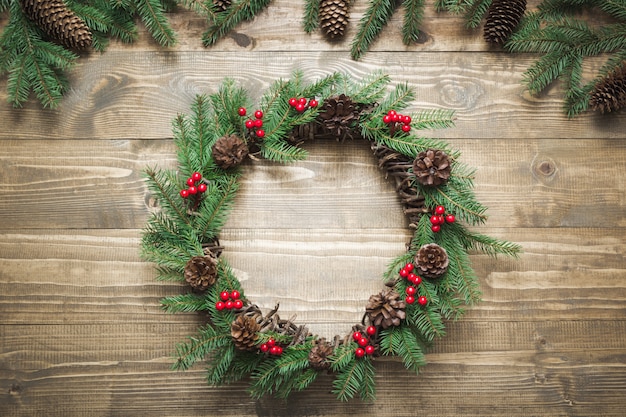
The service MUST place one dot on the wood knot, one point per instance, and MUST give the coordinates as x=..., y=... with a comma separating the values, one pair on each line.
x=241, y=39
x=544, y=169
x=15, y=389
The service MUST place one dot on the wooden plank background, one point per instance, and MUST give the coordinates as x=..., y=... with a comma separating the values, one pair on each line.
x=81, y=331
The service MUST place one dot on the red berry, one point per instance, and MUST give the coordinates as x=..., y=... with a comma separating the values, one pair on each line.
x=369, y=349
x=450, y=218
x=219, y=306
x=184, y=193
x=196, y=176
x=406, y=128
x=258, y=114
x=394, y=118
x=371, y=330
x=190, y=181
x=234, y=294
x=300, y=107
x=293, y=101
x=264, y=347
x=258, y=123
x=242, y=111
x=359, y=352
x=271, y=342
x=313, y=102
x=192, y=190
x=409, y=267
x=407, y=120
x=386, y=119
x=434, y=219
x=422, y=300
x=391, y=112
x=224, y=295
x=279, y=350
x=417, y=280
x=274, y=350
x=249, y=124
x=409, y=299
x=435, y=228
x=202, y=188
x=410, y=290
x=302, y=101
x=238, y=304
x=229, y=305
x=404, y=273
x=363, y=342
x=356, y=335
x=260, y=133
x=440, y=210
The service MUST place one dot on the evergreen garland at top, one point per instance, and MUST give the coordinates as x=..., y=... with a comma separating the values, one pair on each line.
x=425, y=286
x=43, y=39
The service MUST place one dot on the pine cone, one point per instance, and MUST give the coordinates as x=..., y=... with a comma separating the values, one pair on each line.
x=229, y=151
x=222, y=5
x=432, y=167
x=201, y=272
x=503, y=17
x=386, y=308
x=319, y=354
x=610, y=93
x=339, y=116
x=59, y=23
x=431, y=261
x=244, y=332
x=333, y=17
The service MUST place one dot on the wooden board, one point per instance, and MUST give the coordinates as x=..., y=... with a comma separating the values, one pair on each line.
x=81, y=330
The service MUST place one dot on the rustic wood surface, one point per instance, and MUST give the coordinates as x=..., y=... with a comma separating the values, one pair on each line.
x=81, y=331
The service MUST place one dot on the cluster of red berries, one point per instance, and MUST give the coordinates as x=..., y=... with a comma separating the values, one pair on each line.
x=271, y=347
x=365, y=348
x=301, y=104
x=254, y=125
x=229, y=301
x=440, y=217
x=395, y=119
x=194, y=187
x=411, y=290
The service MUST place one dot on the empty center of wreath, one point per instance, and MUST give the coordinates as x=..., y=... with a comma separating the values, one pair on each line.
x=315, y=236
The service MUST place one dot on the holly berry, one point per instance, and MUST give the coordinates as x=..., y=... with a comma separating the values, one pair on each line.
x=386, y=119
x=192, y=190
x=410, y=290
x=363, y=342
x=184, y=193
x=219, y=306
x=409, y=267
x=274, y=350
x=202, y=188
x=409, y=299
x=260, y=133
x=190, y=181
x=313, y=103
x=434, y=219
x=391, y=112
x=421, y=300
x=371, y=330
x=369, y=349
x=271, y=342
x=407, y=120
x=450, y=218
x=235, y=295
x=435, y=228
x=258, y=114
x=300, y=107
x=356, y=335
x=440, y=210
x=406, y=128
x=229, y=305
x=258, y=123
x=242, y=111
x=302, y=101
x=293, y=101
x=264, y=347
x=359, y=352
x=224, y=295
x=404, y=273
x=417, y=280
x=249, y=124
x=238, y=304
x=278, y=350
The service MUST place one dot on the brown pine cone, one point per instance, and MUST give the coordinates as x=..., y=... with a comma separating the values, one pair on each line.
x=244, y=331
x=201, y=272
x=318, y=355
x=229, y=151
x=59, y=23
x=431, y=261
x=432, y=167
x=609, y=94
x=334, y=17
x=503, y=17
x=386, y=309
x=339, y=116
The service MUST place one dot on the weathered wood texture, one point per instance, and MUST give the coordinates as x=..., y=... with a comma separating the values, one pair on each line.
x=81, y=331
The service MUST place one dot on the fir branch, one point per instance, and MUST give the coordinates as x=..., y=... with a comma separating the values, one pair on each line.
x=225, y=22
x=197, y=348
x=311, y=21
x=164, y=185
x=460, y=276
x=483, y=243
x=152, y=14
x=371, y=89
x=433, y=119
x=400, y=341
x=219, y=364
x=183, y=303
x=476, y=12
x=202, y=7
x=413, y=16
x=371, y=24
x=217, y=203
x=429, y=324
x=356, y=377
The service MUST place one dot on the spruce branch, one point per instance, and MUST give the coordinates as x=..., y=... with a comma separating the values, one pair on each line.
x=198, y=347
x=183, y=303
x=225, y=22
x=413, y=16
x=371, y=24
x=310, y=21
x=400, y=341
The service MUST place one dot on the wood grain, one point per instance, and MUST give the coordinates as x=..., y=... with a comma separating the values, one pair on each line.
x=82, y=333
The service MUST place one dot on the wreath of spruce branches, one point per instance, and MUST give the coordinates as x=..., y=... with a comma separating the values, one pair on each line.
x=183, y=228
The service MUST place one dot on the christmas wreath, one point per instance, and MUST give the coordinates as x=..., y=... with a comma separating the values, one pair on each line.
x=424, y=287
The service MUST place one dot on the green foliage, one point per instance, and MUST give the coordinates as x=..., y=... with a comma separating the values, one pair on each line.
x=181, y=228
x=222, y=23
x=473, y=10
x=35, y=64
x=311, y=22
x=371, y=24
x=413, y=16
